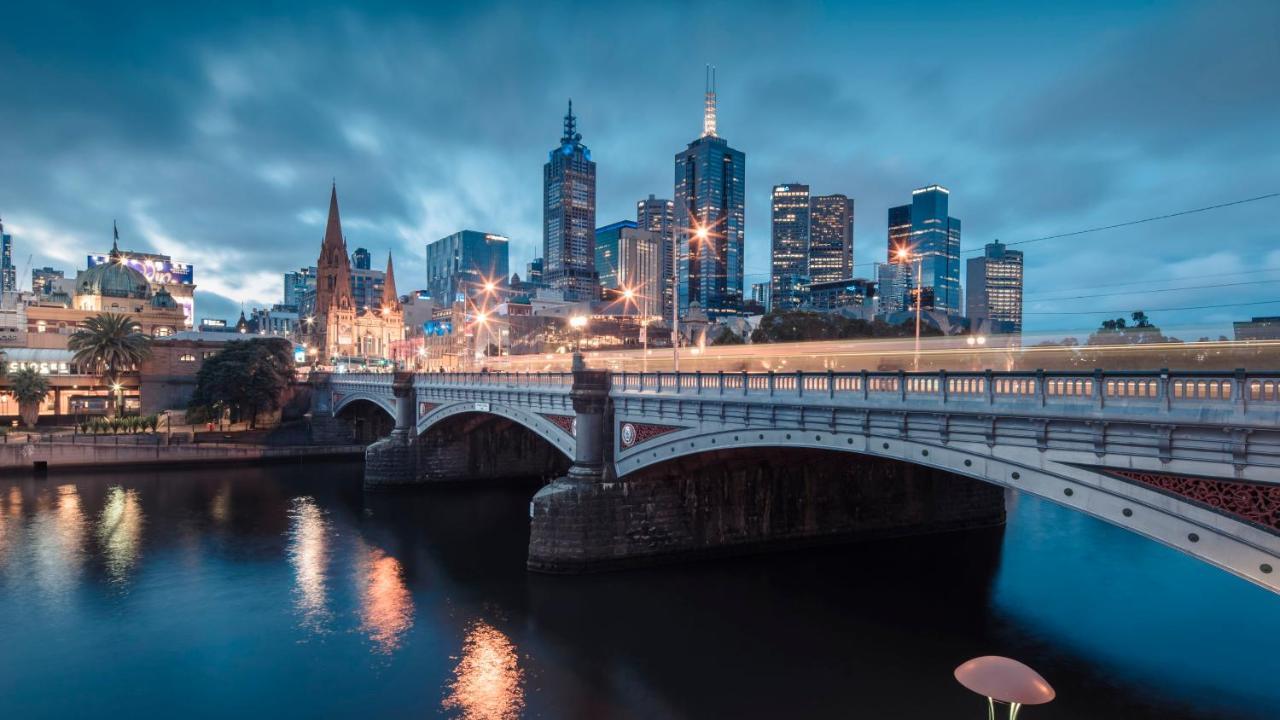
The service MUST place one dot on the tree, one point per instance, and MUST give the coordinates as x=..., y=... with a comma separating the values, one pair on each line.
x=724, y=336
x=109, y=345
x=248, y=376
x=1121, y=332
x=29, y=388
x=801, y=325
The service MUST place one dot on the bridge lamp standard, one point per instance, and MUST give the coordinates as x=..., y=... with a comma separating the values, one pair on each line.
x=629, y=298
x=579, y=324
x=905, y=255
x=1006, y=681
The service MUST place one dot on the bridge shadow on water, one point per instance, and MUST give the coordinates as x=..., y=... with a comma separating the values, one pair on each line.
x=871, y=629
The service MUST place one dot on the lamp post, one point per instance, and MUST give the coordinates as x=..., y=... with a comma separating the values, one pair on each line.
x=1004, y=680
x=578, y=323
x=907, y=256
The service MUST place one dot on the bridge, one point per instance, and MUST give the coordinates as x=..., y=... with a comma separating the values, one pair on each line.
x=647, y=466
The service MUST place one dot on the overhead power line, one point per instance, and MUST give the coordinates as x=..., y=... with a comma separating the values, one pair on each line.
x=1155, y=309
x=1157, y=290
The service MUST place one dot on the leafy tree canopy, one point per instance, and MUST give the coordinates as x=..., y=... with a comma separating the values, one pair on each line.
x=800, y=325
x=249, y=376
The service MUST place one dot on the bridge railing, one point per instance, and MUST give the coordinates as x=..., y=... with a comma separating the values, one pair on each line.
x=502, y=379
x=1155, y=388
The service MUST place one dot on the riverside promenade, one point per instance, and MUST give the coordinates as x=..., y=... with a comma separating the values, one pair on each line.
x=36, y=451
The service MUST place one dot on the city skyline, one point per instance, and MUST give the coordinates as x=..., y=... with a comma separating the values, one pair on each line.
x=232, y=194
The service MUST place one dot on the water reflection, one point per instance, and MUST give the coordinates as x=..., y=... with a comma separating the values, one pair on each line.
x=57, y=537
x=488, y=682
x=386, y=608
x=120, y=532
x=10, y=524
x=309, y=556
x=220, y=506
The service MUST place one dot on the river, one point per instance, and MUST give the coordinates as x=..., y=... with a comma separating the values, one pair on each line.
x=286, y=591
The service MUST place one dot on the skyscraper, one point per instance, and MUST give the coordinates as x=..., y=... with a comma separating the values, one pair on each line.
x=995, y=288
x=297, y=284
x=710, y=200
x=790, y=253
x=360, y=260
x=830, y=238
x=8, y=274
x=933, y=238
x=461, y=264
x=629, y=258
x=569, y=216
x=658, y=215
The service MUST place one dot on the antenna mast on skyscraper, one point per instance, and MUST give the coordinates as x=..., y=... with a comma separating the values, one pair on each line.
x=709, y=113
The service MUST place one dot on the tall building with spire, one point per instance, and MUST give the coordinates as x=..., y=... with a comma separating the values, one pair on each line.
x=569, y=216
x=710, y=203
x=339, y=329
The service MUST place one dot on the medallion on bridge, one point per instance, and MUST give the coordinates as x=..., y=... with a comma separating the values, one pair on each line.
x=567, y=423
x=426, y=407
x=632, y=434
x=1257, y=503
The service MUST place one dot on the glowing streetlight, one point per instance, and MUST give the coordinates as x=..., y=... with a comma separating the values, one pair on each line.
x=905, y=255
x=578, y=323
x=1004, y=680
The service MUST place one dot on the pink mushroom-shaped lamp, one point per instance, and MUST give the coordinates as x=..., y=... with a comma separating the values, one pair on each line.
x=1002, y=679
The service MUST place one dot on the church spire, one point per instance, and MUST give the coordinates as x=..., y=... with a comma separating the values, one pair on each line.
x=390, y=298
x=709, y=109
x=333, y=228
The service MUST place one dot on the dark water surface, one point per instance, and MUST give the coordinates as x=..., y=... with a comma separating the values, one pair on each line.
x=287, y=592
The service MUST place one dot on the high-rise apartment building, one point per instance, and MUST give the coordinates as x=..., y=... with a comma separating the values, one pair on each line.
x=366, y=286
x=461, y=265
x=569, y=216
x=995, y=288
x=658, y=215
x=762, y=294
x=8, y=274
x=630, y=258
x=830, y=238
x=789, y=258
x=710, y=201
x=932, y=237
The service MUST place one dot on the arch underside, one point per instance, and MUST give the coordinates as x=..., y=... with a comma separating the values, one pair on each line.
x=536, y=423
x=386, y=404
x=1071, y=479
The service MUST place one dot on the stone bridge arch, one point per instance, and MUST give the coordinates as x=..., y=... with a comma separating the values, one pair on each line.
x=555, y=428
x=1131, y=499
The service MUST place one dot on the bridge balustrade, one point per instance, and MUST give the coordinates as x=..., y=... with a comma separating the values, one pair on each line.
x=1053, y=388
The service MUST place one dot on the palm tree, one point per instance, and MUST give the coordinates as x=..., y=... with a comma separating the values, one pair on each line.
x=109, y=345
x=29, y=388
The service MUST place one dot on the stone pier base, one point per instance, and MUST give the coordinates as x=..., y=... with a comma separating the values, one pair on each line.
x=391, y=462
x=744, y=501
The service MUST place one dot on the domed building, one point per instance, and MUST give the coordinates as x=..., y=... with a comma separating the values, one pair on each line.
x=115, y=287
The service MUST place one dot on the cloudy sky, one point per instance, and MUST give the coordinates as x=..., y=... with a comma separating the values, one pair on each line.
x=211, y=133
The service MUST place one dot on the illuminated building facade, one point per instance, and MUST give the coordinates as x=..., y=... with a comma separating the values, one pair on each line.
x=658, y=215
x=932, y=237
x=339, y=328
x=569, y=216
x=459, y=265
x=44, y=280
x=710, y=194
x=830, y=238
x=789, y=259
x=995, y=288
x=628, y=257
x=161, y=271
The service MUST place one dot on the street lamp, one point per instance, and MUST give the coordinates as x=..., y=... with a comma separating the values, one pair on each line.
x=905, y=255
x=1004, y=680
x=578, y=323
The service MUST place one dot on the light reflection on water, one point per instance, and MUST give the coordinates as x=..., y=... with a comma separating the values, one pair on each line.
x=120, y=532
x=287, y=592
x=309, y=555
x=386, y=607
x=488, y=683
x=57, y=539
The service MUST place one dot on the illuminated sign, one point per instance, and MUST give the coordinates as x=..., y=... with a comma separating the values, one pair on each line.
x=438, y=328
x=299, y=354
x=213, y=322
x=154, y=269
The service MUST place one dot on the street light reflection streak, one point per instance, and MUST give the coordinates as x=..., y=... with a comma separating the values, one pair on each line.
x=309, y=556
x=488, y=683
x=10, y=524
x=57, y=546
x=120, y=532
x=386, y=611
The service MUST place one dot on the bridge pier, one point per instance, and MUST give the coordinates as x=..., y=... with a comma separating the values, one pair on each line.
x=325, y=426
x=393, y=460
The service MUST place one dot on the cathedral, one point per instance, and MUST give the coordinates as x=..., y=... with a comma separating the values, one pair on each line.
x=339, y=329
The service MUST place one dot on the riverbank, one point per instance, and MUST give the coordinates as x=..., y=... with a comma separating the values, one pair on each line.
x=57, y=455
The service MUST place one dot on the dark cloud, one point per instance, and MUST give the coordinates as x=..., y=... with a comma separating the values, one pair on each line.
x=212, y=131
